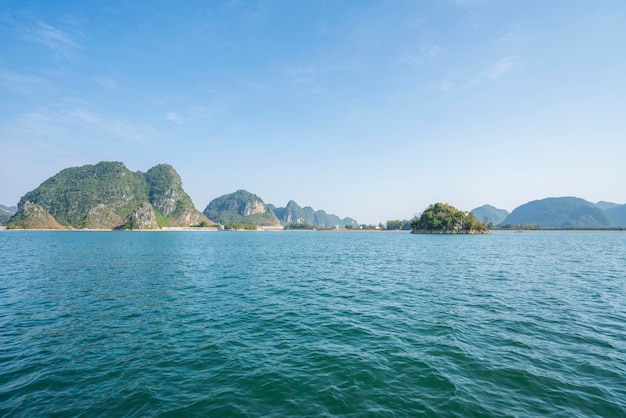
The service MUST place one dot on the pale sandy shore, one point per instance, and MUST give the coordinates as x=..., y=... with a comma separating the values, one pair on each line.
x=194, y=229
x=116, y=230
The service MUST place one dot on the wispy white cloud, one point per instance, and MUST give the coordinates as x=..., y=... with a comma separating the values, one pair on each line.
x=106, y=82
x=47, y=123
x=466, y=4
x=424, y=54
x=21, y=83
x=300, y=74
x=57, y=40
x=444, y=85
x=471, y=83
x=501, y=67
x=516, y=35
x=129, y=131
x=85, y=116
x=497, y=70
x=196, y=113
x=175, y=117
x=122, y=129
x=37, y=124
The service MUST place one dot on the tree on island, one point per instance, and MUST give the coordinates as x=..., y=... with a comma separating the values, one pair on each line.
x=441, y=218
x=397, y=224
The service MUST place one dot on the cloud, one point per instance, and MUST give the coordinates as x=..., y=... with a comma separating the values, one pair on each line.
x=21, y=83
x=37, y=124
x=86, y=116
x=468, y=4
x=196, y=113
x=444, y=85
x=471, y=83
x=300, y=74
x=60, y=42
x=424, y=54
x=120, y=128
x=53, y=123
x=175, y=117
x=493, y=72
x=106, y=82
x=516, y=35
x=501, y=67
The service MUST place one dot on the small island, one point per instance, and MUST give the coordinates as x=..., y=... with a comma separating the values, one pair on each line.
x=441, y=218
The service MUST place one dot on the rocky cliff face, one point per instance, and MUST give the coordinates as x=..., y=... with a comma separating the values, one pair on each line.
x=243, y=206
x=101, y=216
x=33, y=216
x=256, y=206
x=240, y=206
x=166, y=195
x=143, y=217
x=294, y=214
x=109, y=196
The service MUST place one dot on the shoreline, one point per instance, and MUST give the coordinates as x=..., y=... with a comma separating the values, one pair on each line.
x=394, y=231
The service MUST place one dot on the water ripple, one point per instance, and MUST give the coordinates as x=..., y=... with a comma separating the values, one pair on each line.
x=312, y=324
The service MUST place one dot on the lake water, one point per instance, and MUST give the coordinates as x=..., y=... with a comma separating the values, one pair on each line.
x=312, y=324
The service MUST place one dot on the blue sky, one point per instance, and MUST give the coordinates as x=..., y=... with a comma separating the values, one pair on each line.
x=369, y=109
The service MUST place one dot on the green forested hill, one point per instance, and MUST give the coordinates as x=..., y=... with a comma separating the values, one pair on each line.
x=604, y=206
x=166, y=195
x=488, y=213
x=559, y=212
x=617, y=215
x=240, y=207
x=292, y=214
x=108, y=195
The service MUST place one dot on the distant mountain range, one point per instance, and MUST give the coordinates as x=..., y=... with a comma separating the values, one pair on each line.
x=617, y=215
x=294, y=214
x=109, y=196
x=488, y=213
x=245, y=207
x=6, y=212
x=559, y=213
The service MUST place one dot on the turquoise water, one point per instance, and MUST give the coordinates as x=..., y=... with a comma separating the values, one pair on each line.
x=312, y=324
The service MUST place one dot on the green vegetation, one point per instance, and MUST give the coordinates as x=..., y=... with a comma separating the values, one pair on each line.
x=396, y=224
x=203, y=224
x=616, y=214
x=241, y=225
x=560, y=213
x=300, y=226
x=445, y=219
x=161, y=219
x=293, y=213
x=240, y=207
x=71, y=193
x=33, y=216
x=106, y=195
x=525, y=227
x=490, y=215
x=6, y=213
